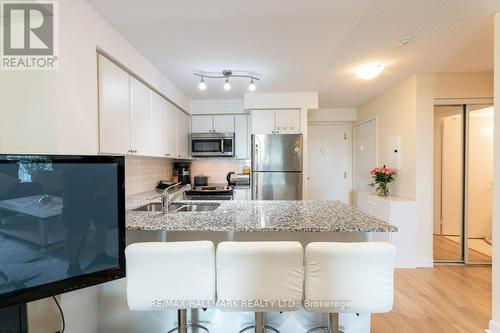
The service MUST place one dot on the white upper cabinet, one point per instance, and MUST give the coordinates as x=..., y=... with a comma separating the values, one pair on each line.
x=242, y=137
x=212, y=124
x=114, y=108
x=275, y=121
x=287, y=121
x=182, y=134
x=158, y=120
x=263, y=121
x=201, y=124
x=223, y=123
x=140, y=117
x=134, y=119
x=171, y=131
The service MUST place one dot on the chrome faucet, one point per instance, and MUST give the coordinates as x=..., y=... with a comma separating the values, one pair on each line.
x=165, y=199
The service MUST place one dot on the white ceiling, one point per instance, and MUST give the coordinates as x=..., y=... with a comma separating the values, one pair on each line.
x=305, y=45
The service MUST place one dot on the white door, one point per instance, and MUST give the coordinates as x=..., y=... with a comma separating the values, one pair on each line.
x=263, y=121
x=241, y=137
x=201, y=124
x=171, y=131
x=223, y=123
x=182, y=134
x=365, y=155
x=287, y=121
x=328, y=162
x=140, y=117
x=158, y=119
x=114, y=108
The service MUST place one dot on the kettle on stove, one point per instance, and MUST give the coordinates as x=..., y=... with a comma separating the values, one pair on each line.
x=231, y=178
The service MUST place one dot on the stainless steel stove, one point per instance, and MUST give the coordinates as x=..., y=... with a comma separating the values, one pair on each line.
x=210, y=192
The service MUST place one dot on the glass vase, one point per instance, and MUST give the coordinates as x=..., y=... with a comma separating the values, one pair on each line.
x=383, y=189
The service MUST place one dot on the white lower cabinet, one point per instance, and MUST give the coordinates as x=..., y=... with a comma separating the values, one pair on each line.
x=397, y=211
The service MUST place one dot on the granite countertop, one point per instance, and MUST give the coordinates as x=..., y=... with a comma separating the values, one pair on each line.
x=256, y=216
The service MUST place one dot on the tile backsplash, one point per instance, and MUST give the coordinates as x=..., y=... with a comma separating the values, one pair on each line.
x=217, y=168
x=143, y=173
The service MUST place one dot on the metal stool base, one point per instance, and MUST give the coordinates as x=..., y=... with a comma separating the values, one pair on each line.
x=259, y=326
x=266, y=327
x=182, y=325
x=190, y=326
x=333, y=325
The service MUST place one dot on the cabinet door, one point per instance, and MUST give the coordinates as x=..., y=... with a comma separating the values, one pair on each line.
x=182, y=134
x=364, y=202
x=223, y=123
x=140, y=117
x=263, y=121
x=241, y=137
x=171, y=131
x=287, y=121
x=201, y=124
x=158, y=119
x=381, y=209
x=114, y=108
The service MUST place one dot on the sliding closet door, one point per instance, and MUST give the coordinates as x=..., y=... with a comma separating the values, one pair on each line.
x=448, y=190
x=479, y=183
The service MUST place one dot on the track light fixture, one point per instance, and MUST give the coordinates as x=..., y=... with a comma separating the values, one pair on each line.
x=226, y=74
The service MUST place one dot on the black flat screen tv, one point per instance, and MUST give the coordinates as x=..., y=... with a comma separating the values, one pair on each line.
x=62, y=224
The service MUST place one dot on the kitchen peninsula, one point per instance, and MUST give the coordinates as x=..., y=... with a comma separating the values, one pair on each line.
x=255, y=216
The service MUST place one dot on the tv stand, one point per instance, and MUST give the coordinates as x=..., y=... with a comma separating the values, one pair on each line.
x=14, y=319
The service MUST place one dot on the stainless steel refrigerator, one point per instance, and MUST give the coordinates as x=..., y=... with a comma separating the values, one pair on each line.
x=277, y=167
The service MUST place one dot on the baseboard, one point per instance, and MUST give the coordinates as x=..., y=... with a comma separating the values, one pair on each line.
x=425, y=262
x=494, y=327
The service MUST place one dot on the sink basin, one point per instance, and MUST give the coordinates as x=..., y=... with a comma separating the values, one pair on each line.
x=179, y=207
x=195, y=207
x=150, y=207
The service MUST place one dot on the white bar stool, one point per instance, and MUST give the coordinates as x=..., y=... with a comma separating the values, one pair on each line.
x=348, y=278
x=260, y=277
x=177, y=275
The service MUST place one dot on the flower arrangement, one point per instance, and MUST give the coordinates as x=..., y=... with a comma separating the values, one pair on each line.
x=382, y=178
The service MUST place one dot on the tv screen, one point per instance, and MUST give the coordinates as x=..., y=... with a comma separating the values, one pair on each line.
x=62, y=224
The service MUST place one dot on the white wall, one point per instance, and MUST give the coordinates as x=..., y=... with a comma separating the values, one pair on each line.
x=494, y=326
x=396, y=112
x=332, y=115
x=211, y=106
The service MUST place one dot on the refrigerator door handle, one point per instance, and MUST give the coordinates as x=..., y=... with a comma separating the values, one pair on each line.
x=256, y=178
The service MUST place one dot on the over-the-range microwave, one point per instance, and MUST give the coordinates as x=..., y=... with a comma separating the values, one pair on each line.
x=212, y=144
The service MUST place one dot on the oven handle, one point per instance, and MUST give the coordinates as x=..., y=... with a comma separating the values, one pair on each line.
x=222, y=145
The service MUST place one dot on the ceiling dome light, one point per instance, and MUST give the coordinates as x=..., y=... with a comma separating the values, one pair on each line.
x=252, y=86
x=227, y=85
x=202, y=85
x=369, y=71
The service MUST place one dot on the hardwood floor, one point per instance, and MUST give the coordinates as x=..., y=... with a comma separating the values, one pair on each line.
x=446, y=249
x=446, y=298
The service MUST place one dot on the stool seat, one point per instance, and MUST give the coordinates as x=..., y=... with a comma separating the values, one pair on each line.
x=177, y=275
x=349, y=278
x=260, y=277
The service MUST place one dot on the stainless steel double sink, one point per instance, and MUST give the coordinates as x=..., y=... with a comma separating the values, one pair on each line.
x=178, y=207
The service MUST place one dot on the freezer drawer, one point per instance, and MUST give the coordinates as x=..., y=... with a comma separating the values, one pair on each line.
x=276, y=186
